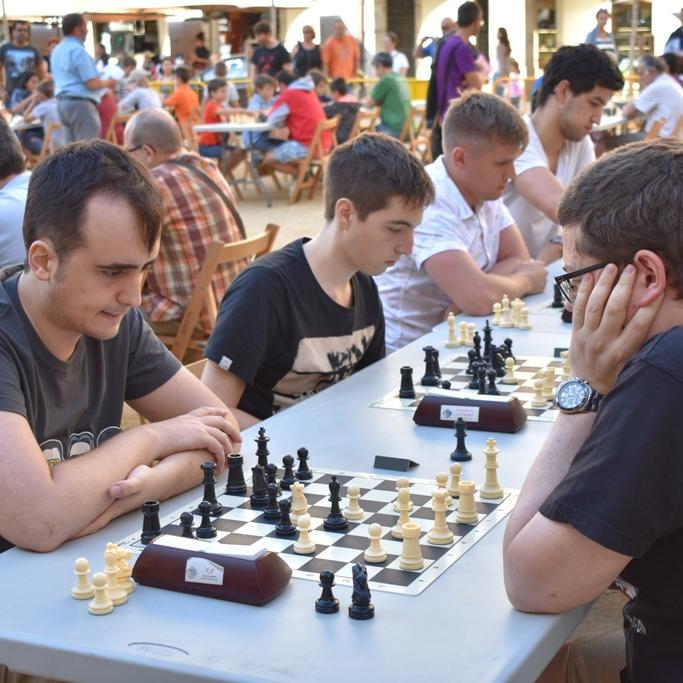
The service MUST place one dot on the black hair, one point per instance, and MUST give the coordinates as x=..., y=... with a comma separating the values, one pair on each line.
x=285, y=77
x=339, y=85
x=216, y=84
x=383, y=59
x=70, y=22
x=11, y=157
x=468, y=13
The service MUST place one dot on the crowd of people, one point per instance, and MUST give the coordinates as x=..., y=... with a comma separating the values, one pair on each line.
x=400, y=246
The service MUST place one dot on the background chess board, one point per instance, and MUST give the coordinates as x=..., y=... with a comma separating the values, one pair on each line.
x=339, y=550
x=527, y=369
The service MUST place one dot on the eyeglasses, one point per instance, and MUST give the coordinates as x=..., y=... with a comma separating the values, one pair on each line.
x=569, y=282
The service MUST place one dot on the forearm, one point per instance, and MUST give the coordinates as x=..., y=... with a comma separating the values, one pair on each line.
x=479, y=300
x=244, y=419
x=550, y=252
x=507, y=266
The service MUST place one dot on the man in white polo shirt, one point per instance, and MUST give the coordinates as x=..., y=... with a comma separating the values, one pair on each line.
x=467, y=251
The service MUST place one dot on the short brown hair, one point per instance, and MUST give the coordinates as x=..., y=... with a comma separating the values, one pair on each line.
x=47, y=88
x=630, y=199
x=485, y=116
x=262, y=27
x=183, y=74
x=370, y=170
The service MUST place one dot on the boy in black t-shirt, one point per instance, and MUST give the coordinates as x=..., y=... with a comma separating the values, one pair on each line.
x=74, y=347
x=270, y=57
x=306, y=316
x=603, y=498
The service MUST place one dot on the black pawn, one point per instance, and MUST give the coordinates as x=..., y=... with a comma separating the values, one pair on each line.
x=272, y=510
x=285, y=527
x=460, y=454
x=187, y=523
x=259, y=496
x=326, y=603
x=430, y=378
x=472, y=355
x=437, y=369
x=303, y=473
x=360, y=607
x=492, y=389
x=474, y=382
x=476, y=342
x=497, y=362
x=151, y=527
x=206, y=529
x=271, y=475
x=262, y=451
x=335, y=521
x=236, y=483
x=209, y=469
x=407, y=389
x=558, y=299
x=481, y=376
x=445, y=384
x=288, y=477
x=508, y=348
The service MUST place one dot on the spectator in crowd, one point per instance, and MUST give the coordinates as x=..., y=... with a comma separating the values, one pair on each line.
x=128, y=66
x=515, y=86
x=390, y=93
x=47, y=52
x=220, y=70
x=345, y=106
x=503, y=53
x=45, y=110
x=194, y=216
x=674, y=66
x=18, y=56
x=24, y=97
x=13, y=188
x=101, y=58
x=141, y=96
x=270, y=57
x=427, y=46
x=675, y=41
x=577, y=83
x=341, y=54
x=77, y=82
x=201, y=55
x=184, y=100
x=306, y=54
x=320, y=81
x=601, y=38
x=400, y=63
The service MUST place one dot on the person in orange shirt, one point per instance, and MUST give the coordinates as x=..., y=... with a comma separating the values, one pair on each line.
x=183, y=99
x=341, y=54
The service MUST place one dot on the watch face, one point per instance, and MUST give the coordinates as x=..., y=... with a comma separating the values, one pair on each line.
x=572, y=394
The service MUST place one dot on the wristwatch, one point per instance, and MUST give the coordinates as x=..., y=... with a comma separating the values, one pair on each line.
x=575, y=395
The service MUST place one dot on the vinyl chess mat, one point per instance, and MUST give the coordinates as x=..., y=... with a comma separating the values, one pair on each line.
x=527, y=369
x=339, y=550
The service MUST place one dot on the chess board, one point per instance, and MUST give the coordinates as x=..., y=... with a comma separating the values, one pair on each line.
x=338, y=551
x=527, y=369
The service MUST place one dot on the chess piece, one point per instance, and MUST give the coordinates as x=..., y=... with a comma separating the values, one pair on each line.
x=187, y=523
x=236, y=484
x=470, y=333
x=460, y=454
x=496, y=313
x=538, y=401
x=440, y=534
x=151, y=528
x=510, y=377
x=507, y=346
x=566, y=367
x=472, y=358
x=492, y=389
x=467, y=508
x=335, y=521
x=474, y=382
x=304, y=545
x=445, y=384
x=271, y=475
x=407, y=389
x=209, y=481
x=452, y=341
x=116, y=594
x=437, y=369
x=272, y=510
x=303, y=473
x=375, y=553
x=476, y=345
x=481, y=386
x=430, y=378
x=491, y=488
x=288, y=478
x=299, y=504
x=353, y=509
x=517, y=306
x=488, y=340
x=360, y=607
x=506, y=313
x=441, y=479
x=402, y=483
x=463, y=333
x=259, y=496
x=83, y=590
x=524, y=319
x=262, y=451
x=549, y=384
x=326, y=603
x=403, y=512
x=102, y=603
x=411, y=555
x=558, y=299
x=206, y=529
x=454, y=481
x=125, y=571
x=285, y=527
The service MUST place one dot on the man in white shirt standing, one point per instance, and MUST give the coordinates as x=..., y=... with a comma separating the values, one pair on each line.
x=467, y=251
x=660, y=96
x=577, y=83
x=400, y=63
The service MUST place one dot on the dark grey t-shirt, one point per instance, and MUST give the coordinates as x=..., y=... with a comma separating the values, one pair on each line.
x=72, y=407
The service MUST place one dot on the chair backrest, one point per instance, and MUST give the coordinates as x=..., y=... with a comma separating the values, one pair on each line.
x=217, y=254
x=47, y=142
x=366, y=120
x=653, y=133
x=316, y=150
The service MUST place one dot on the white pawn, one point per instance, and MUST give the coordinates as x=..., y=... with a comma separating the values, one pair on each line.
x=510, y=377
x=101, y=604
x=411, y=555
x=496, y=313
x=467, y=508
x=404, y=511
x=299, y=504
x=471, y=327
x=442, y=484
x=549, y=384
x=517, y=306
x=452, y=340
x=524, y=319
x=124, y=569
x=304, y=545
x=454, y=483
x=403, y=483
x=439, y=534
x=353, y=509
x=117, y=594
x=538, y=401
x=506, y=319
x=505, y=301
x=83, y=590
x=463, y=334
x=375, y=553
x=491, y=488
x=566, y=367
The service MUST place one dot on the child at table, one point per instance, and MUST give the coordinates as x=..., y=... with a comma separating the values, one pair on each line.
x=183, y=100
x=23, y=98
x=260, y=103
x=45, y=108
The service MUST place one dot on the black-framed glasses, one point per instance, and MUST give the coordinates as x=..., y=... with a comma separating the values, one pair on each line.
x=569, y=282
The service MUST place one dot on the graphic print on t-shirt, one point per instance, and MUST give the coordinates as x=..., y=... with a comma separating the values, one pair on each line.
x=58, y=450
x=630, y=591
x=321, y=361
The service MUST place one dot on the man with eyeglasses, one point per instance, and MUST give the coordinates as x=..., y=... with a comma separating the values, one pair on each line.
x=601, y=503
x=18, y=56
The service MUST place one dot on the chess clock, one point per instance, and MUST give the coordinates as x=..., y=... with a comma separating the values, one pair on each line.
x=575, y=395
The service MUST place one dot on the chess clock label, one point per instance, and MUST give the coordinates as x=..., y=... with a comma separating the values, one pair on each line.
x=467, y=413
x=201, y=570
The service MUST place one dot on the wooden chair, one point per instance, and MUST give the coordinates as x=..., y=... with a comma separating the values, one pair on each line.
x=653, y=133
x=365, y=121
x=308, y=171
x=217, y=254
x=197, y=367
x=416, y=136
x=47, y=142
x=111, y=130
